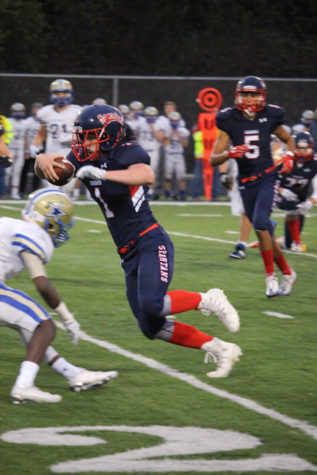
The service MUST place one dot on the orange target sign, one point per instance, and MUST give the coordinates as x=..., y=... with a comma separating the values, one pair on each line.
x=209, y=100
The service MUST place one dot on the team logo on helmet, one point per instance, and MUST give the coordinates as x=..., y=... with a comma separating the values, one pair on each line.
x=107, y=118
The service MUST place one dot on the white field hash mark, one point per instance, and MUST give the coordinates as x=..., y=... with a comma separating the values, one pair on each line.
x=193, y=381
x=277, y=314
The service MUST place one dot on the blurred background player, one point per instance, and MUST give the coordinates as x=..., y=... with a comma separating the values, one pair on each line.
x=29, y=181
x=150, y=135
x=6, y=135
x=18, y=147
x=56, y=124
x=298, y=191
x=248, y=126
x=306, y=120
x=98, y=101
x=176, y=139
x=29, y=244
x=228, y=176
x=135, y=115
x=164, y=124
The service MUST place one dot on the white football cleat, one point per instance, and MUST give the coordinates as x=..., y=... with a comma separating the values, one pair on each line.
x=32, y=394
x=287, y=283
x=215, y=301
x=297, y=247
x=86, y=380
x=224, y=354
x=272, y=287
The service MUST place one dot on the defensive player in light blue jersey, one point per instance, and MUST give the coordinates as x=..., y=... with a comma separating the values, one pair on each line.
x=29, y=243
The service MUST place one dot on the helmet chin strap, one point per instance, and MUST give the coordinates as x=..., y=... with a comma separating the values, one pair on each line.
x=249, y=112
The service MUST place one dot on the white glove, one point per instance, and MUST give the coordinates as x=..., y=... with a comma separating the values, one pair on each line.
x=305, y=206
x=288, y=195
x=34, y=150
x=89, y=171
x=73, y=327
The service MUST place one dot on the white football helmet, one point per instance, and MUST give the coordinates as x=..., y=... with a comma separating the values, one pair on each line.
x=99, y=101
x=52, y=210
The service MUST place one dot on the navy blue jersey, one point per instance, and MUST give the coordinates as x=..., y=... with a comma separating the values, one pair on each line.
x=124, y=207
x=254, y=133
x=300, y=178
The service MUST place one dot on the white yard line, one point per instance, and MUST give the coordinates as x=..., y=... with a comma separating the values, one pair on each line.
x=193, y=381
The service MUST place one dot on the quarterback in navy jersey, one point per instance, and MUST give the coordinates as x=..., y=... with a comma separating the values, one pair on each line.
x=298, y=190
x=117, y=174
x=245, y=135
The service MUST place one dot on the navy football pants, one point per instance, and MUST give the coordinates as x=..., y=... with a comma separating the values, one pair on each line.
x=259, y=199
x=148, y=268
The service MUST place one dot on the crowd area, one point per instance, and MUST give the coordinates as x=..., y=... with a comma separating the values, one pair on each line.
x=163, y=134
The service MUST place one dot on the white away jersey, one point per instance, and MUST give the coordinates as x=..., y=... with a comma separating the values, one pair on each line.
x=145, y=136
x=17, y=143
x=32, y=126
x=16, y=236
x=59, y=127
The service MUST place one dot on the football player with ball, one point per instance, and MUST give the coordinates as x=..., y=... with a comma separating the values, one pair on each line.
x=117, y=174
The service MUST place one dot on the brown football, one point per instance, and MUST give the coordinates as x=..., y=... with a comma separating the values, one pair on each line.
x=65, y=174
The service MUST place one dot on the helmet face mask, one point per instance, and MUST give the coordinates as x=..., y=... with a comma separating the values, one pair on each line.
x=304, y=147
x=61, y=92
x=250, y=95
x=52, y=210
x=97, y=129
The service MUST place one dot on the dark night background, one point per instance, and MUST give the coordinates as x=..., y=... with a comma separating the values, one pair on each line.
x=205, y=43
x=171, y=37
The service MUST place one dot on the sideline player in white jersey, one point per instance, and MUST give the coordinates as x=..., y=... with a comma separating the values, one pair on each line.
x=30, y=243
x=174, y=143
x=17, y=147
x=150, y=135
x=57, y=121
x=29, y=181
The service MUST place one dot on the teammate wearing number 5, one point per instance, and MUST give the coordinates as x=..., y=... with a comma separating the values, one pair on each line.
x=248, y=127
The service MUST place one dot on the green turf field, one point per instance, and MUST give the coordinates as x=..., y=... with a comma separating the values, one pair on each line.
x=163, y=414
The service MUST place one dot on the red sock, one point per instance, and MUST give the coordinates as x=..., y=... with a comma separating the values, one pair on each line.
x=186, y=335
x=182, y=300
x=282, y=265
x=294, y=230
x=268, y=259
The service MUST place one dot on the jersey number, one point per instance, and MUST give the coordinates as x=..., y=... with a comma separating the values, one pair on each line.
x=252, y=140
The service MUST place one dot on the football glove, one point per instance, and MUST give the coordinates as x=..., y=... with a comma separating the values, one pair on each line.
x=5, y=161
x=238, y=151
x=286, y=164
x=34, y=151
x=305, y=206
x=89, y=171
x=73, y=328
x=288, y=195
x=71, y=325
x=225, y=180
